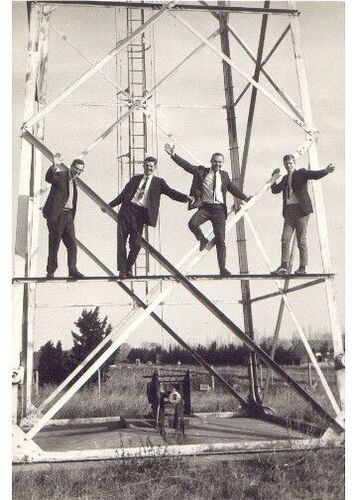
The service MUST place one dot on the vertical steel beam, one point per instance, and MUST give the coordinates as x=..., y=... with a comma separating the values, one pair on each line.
x=34, y=214
x=319, y=209
x=239, y=176
x=21, y=261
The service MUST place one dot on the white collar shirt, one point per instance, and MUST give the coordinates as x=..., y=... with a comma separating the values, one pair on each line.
x=141, y=201
x=208, y=196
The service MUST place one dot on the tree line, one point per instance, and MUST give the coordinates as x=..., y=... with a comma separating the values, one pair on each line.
x=55, y=364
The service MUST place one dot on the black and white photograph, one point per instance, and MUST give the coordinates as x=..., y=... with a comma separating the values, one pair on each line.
x=177, y=231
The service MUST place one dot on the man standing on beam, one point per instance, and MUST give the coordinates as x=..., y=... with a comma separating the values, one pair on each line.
x=297, y=208
x=140, y=202
x=59, y=211
x=209, y=189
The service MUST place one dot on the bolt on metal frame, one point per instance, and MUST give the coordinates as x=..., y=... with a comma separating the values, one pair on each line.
x=33, y=147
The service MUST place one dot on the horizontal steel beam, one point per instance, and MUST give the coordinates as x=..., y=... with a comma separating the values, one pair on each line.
x=181, y=7
x=191, y=277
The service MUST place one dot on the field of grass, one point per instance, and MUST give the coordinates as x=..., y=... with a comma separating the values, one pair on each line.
x=124, y=393
x=312, y=475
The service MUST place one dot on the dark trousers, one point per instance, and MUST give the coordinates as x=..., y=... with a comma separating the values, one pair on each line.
x=61, y=229
x=294, y=218
x=216, y=214
x=131, y=220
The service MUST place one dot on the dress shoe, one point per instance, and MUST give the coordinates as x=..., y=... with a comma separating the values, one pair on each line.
x=301, y=271
x=281, y=271
x=74, y=273
x=50, y=276
x=123, y=275
x=224, y=273
x=203, y=244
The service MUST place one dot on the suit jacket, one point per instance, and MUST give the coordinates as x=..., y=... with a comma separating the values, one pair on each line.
x=199, y=173
x=158, y=186
x=59, y=193
x=299, y=186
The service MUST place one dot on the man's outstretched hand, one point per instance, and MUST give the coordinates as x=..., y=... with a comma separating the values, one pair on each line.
x=330, y=168
x=170, y=150
x=275, y=172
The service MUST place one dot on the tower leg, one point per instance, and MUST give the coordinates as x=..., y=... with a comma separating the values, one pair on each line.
x=319, y=209
x=22, y=245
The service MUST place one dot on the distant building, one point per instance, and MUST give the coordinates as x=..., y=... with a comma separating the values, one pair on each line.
x=320, y=348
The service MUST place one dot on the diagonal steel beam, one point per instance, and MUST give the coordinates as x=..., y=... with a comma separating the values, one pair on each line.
x=276, y=45
x=88, y=74
x=249, y=52
x=288, y=290
x=241, y=335
x=139, y=318
x=112, y=335
x=297, y=324
x=139, y=104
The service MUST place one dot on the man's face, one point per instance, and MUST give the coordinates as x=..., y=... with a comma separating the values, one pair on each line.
x=77, y=169
x=289, y=165
x=57, y=159
x=216, y=162
x=149, y=167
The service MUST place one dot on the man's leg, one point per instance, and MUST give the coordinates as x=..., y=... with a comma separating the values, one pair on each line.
x=288, y=230
x=219, y=228
x=122, y=236
x=301, y=230
x=202, y=215
x=69, y=240
x=135, y=232
x=55, y=229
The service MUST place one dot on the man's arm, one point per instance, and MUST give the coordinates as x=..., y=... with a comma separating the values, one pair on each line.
x=54, y=173
x=235, y=191
x=318, y=174
x=119, y=199
x=172, y=193
x=170, y=150
x=277, y=187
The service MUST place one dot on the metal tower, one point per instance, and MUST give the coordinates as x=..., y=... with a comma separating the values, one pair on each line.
x=26, y=278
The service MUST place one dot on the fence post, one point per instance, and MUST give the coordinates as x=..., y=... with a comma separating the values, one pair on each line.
x=99, y=382
x=309, y=373
x=213, y=382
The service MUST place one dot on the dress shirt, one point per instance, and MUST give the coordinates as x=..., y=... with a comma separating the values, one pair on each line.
x=141, y=201
x=69, y=202
x=208, y=196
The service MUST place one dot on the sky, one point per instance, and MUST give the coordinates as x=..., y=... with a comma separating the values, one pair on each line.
x=71, y=127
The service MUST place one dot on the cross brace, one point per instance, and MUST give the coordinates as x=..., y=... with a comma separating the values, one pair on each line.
x=241, y=335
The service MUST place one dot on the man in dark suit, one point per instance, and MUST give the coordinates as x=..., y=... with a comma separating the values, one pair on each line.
x=297, y=208
x=209, y=189
x=140, y=202
x=60, y=210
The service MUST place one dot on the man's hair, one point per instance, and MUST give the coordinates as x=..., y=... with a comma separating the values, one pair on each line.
x=217, y=154
x=288, y=157
x=151, y=158
x=77, y=160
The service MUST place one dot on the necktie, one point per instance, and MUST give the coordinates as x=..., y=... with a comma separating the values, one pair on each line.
x=142, y=189
x=214, y=186
x=289, y=185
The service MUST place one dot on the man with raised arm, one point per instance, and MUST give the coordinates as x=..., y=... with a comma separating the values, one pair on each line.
x=59, y=211
x=209, y=189
x=297, y=208
x=140, y=202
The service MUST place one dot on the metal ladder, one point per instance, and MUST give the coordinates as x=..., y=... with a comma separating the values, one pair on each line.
x=137, y=134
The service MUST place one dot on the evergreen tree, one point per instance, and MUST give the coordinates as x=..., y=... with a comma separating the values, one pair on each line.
x=50, y=366
x=92, y=330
